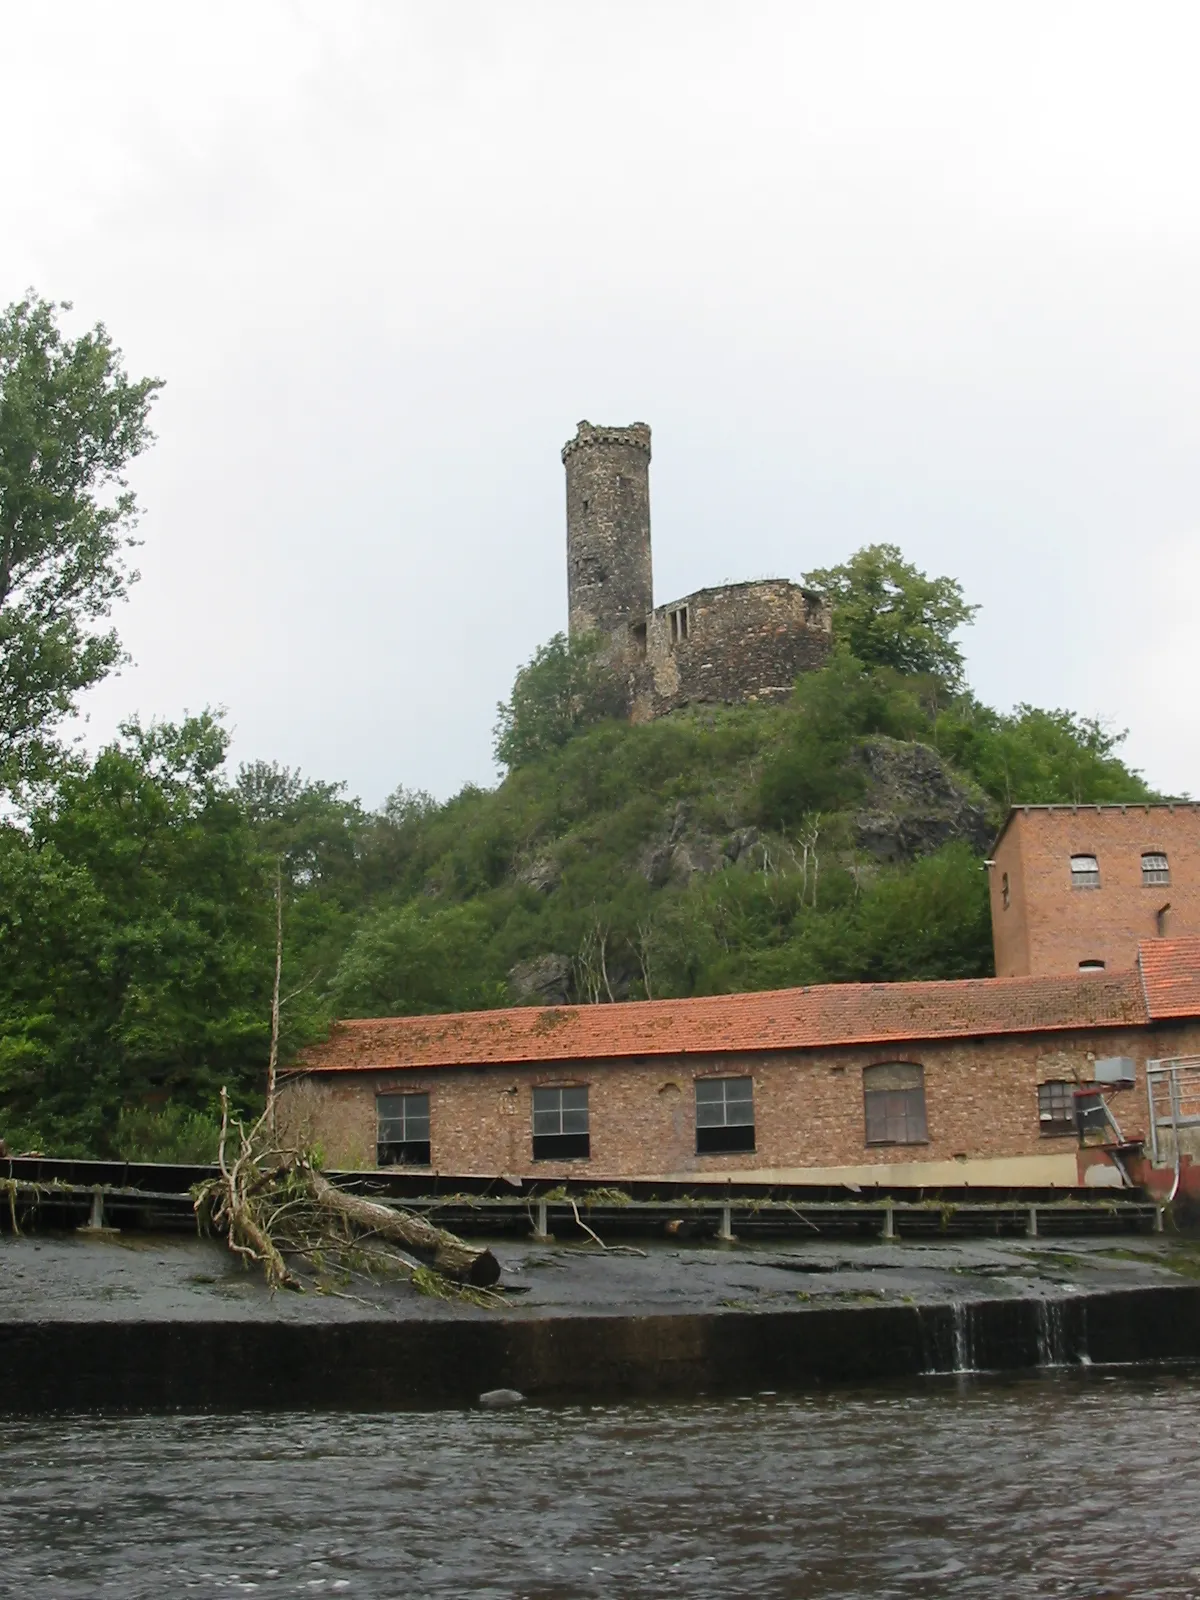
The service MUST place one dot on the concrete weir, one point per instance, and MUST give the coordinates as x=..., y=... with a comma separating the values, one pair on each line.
x=157, y=1324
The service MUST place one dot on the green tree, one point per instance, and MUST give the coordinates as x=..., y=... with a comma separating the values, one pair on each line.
x=565, y=687
x=887, y=613
x=136, y=941
x=406, y=960
x=1036, y=757
x=70, y=423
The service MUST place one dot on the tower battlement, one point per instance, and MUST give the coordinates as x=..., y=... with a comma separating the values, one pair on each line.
x=739, y=643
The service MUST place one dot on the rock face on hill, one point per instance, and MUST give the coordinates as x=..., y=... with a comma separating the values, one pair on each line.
x=914, y=804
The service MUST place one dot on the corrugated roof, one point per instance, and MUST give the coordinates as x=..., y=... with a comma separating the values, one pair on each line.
x=779, y=1019
x=1171, y=976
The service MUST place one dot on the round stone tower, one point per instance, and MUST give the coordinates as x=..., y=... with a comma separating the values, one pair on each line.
x=609, y=580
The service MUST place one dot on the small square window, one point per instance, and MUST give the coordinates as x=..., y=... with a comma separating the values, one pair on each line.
x=1056, y=1109
x=560, y=1124
x=1155, y=868
x=1085, y=872
x=402, y=1130
x=724, y=1115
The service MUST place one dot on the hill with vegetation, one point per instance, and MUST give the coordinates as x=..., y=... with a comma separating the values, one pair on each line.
x=839, y=836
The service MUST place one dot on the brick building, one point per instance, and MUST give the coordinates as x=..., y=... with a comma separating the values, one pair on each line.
x=938, y=1083
x=1078, y=888
x=739, y=642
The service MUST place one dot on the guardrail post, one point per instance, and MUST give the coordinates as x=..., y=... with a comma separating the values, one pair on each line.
x=889, y=1221
x=725, y=1231
x=541, y=1228
x=1031, y=1227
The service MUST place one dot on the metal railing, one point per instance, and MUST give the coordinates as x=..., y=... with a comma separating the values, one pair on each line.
x=1173, y=1096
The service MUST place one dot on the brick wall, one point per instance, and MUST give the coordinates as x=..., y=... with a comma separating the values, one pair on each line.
x=981, y=1105
x=1049, y=927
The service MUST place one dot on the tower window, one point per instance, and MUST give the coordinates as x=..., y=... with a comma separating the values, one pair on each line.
x=679, y=624
x=1085, y=872
x=1154, y=867
x=586, y=503
x=1005, y=894
x=638, y=630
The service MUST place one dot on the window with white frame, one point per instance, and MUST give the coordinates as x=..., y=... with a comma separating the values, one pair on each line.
x=402, y=1130
x=560, y=1123
x=724, y=1115
x=1155, y=867
x=1085, y=872
x=1056, y=1108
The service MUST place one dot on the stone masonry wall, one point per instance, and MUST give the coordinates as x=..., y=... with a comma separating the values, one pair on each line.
x=609, y=577
x=1049, y=927
x=981, y=1102
x=743, y=642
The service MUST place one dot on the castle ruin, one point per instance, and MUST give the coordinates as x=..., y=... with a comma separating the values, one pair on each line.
x=736, y=644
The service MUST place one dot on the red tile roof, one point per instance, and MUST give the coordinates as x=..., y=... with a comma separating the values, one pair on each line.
x=779, y=1019
x=1170, y=971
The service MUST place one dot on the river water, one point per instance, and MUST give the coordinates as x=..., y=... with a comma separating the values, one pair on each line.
x=1061, y=1485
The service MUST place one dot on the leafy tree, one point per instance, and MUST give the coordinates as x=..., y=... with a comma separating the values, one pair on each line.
x=136, y=940
x=70, y=423
x=887, y=613
x=407, y=959
x=566, y=686
x=1038, y=757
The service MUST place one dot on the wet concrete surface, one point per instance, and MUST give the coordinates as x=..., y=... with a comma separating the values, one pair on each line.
x=136, y=1277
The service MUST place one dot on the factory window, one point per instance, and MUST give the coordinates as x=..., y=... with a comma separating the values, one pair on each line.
x=402, y=1137
x=1155, y=868
x=1094, y=965
x=1085, y=872
x=679, y=624
x=560, y=1123
x=1056, y=1108
x=894, y=1102
x=724, y=1115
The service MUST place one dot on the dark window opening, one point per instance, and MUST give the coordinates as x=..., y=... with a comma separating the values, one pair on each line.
x=1004, y=891
x=679, y=624
x=894, y=1103
x=639, y=636
x=1155, y=868
x=402, y=1130
x=1085, y=872
x=560, y=1124
x=724, y=1115
x=1056, y=1109
x=1093, y=965
x=585, y=505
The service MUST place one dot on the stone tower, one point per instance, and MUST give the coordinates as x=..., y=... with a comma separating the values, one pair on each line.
x=609, y=580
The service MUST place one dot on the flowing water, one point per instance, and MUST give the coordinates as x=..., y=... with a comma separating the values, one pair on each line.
x=1075, y=1485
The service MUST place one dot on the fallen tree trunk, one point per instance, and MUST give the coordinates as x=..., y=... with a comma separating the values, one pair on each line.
x=449, y=1254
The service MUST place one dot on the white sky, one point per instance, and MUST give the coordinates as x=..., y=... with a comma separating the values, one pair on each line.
x=925, y=273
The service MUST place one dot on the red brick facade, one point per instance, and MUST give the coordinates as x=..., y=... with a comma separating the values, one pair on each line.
x=983, y=1048
x=1047, y=919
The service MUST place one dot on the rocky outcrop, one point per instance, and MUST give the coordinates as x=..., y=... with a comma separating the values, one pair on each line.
x=914, y=804
x=545, y=981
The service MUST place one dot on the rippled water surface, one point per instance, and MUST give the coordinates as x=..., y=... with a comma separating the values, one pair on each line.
x=1053, y=1486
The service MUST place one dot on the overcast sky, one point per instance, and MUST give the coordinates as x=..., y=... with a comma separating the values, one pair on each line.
x=924, y=273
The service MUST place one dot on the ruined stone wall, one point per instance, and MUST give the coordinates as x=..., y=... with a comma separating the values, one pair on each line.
x=741, y=643
x=981, y=1105
x=609, y=577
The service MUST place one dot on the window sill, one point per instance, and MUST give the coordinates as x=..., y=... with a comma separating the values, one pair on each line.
x=896, y=1144
x=1058, y=1131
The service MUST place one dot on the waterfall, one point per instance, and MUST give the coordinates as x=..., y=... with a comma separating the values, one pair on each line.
x=1051, y=1334
x=963, y=1356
